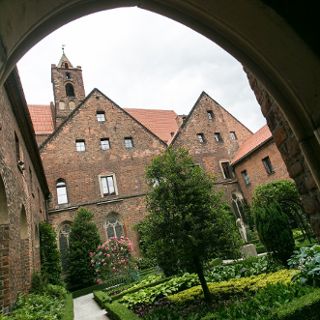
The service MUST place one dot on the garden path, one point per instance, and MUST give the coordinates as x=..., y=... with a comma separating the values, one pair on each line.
x=85, y=308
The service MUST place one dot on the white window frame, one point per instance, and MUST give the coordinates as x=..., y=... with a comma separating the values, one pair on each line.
x=113, y=225
x=60, y=196
x=100, y=177
x=210, y=115
x=105, y=146
x=101, y=116
x=201, y=138
x=131, y=141
x=80, y=145
x=233, y=135
x=218, y=137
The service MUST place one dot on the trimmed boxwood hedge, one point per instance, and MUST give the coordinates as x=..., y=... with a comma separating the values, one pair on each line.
x=68, y=311
x=306, y=307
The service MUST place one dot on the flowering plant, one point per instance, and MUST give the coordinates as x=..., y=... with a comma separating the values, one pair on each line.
x=111, y=257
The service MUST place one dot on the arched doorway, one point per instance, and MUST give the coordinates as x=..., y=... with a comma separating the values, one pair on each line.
x=4, y=243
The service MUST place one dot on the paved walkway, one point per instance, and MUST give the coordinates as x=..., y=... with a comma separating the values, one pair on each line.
x=85, y=308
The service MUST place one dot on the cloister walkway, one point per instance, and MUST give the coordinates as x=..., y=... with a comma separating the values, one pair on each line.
x=85, y=308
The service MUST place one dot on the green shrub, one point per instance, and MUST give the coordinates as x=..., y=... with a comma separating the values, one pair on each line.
x=84, y=238
x=38, y=283
x=274, y=231
x=117, y=311
x=234, y=287
x=306, y=307
x=49, y=253
x=101, y=298
x=68, y=310
x=307, y=260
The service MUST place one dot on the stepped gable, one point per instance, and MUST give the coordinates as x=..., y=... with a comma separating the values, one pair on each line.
x=252, y=143
x=161, y=122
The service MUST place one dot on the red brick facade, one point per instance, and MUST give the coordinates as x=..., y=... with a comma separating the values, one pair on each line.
x=22, y=200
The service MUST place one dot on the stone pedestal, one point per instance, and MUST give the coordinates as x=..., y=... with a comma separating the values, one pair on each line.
x=248, y=250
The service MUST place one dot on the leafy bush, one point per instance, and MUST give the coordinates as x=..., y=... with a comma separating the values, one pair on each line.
x=150, y=294
x=84, y=238
x=306, y=307
x=146, y=263
x=113, y=256
x=274, y=231
x=49, y=253
x=307, y=260
x=233, y=287
x=101, y=298
x=38, y=283
x=117, y=311
x=261, y=305
x=245, y=268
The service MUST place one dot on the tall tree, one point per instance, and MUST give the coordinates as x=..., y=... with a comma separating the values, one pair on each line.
x=188, y=222
x=84, y=238
x=49, y=254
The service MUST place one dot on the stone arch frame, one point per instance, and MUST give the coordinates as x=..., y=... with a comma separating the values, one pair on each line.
x=69, y=90
x=113, y=225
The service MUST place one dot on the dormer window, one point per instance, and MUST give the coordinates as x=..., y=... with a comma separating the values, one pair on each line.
x=69, y=90
x=101, y=116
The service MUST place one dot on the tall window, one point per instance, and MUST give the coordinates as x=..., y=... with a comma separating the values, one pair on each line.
x=113, y=226
x=61, y=191
x=101, y=117
x=218, y=137
x=64, y=234
x=69, y=90
x=66, y=65
x=107, y=185
x=128, y=142
x=233, y=135
x=226, y=170
x=104, y=144
x=17, y=146
x=245, y=177
x=201, y=138
x=210, y=114
x=267, y=165
x=80, y=145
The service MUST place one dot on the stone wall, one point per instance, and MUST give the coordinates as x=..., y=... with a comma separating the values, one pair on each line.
x=291, y=153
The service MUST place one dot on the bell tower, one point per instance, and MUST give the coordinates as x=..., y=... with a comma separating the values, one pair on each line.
x=68, y=89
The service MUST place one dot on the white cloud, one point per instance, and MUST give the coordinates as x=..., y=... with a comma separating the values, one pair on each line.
x=141, y=59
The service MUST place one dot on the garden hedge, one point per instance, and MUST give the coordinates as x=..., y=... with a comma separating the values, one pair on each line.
x=306, y=307
x=68, y=312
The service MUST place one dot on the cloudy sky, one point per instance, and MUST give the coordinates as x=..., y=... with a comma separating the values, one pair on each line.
x=143, y=60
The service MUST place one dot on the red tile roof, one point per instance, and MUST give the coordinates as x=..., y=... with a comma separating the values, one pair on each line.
x=41, y=118
x=252, y=143
x=161, y=122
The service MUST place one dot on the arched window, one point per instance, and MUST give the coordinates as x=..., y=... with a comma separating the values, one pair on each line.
x=4, y=217
x=23, y=224
x=69, y=90
x=66, y=65
x=64, y=233
x=61, y=191
x=68, y=75
x=113, y=226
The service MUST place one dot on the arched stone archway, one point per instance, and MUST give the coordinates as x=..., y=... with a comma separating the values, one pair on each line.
x=4, y=247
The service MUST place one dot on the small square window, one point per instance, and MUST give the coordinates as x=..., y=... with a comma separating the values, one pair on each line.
x=201, y=138
x=107, y=185
x=267, y=165
x=245, y=177
x=233, y=135
x=218, y=137
x=128, y=143
x=210, y=114
x=101, y=117
x=105, y=144
x=80, y=145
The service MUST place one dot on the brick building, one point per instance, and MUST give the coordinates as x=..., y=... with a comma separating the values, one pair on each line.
x=258, y=161
x=95, y=153
x=23, y=191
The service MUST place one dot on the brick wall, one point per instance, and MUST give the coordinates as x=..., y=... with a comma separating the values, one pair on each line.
x=290, y=151
x=18, y=188
x=256, y=170
x=81, y=170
